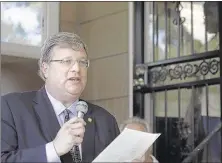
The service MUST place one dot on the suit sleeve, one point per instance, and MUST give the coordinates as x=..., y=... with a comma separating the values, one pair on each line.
x=10, y=151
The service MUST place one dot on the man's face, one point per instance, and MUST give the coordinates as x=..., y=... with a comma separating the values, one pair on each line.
x=67, y=77
x=135, y=126
x=139, y=127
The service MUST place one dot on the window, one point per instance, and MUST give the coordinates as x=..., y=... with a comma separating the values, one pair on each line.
x=25, y=25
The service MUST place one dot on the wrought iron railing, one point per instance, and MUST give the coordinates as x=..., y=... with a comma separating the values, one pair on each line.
x=184, y=59
x=201, y=146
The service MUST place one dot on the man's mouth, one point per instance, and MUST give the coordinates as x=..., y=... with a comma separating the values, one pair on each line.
x=75, y=79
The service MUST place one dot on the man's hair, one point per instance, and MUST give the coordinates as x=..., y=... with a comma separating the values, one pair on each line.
x=140, y=121
x=61, y=39
x=135, y=120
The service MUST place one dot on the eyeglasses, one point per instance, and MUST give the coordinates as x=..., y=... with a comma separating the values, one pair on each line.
x=84, y=63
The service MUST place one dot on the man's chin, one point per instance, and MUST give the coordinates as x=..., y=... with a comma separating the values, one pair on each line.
x=75, y=92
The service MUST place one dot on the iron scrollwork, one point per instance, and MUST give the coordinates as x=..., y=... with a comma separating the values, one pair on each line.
x=140, y=71
x=184, y=71
x=178, y=19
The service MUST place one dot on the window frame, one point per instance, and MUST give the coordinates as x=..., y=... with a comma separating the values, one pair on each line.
x=50, y=26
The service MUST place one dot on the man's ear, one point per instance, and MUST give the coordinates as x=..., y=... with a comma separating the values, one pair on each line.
x=45, y=69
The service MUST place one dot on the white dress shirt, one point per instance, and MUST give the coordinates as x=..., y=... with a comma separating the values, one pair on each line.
x=59, y=111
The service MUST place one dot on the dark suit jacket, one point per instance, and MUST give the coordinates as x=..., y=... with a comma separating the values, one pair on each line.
x=29, y=122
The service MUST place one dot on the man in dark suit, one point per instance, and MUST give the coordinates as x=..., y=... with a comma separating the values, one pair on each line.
x=42, y=126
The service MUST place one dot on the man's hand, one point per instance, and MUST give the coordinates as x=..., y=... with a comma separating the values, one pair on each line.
x=70, y=134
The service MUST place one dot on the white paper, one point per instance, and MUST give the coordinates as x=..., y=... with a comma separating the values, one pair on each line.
x=129, y=145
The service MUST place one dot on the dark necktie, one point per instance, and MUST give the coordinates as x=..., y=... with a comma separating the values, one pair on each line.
x=75, y=152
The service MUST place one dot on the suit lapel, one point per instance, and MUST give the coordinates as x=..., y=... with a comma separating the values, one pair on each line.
x=47, y=117
x=50, y=125
x=88, y=144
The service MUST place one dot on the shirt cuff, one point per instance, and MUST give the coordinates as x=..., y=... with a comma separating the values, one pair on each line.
x=51, y=153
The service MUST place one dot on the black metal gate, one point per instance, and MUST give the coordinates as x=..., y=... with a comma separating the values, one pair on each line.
x=181, y=73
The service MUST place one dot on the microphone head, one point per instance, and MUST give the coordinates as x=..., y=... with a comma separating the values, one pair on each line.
x=82, y=106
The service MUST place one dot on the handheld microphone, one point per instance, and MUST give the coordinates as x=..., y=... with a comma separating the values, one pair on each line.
x=81, y=108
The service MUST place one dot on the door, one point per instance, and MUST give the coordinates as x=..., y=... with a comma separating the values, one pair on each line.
x=177, y=77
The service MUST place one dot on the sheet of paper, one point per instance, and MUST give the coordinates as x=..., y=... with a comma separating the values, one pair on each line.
x=129, y=145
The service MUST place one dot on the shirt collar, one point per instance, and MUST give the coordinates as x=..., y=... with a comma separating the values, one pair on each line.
x=59, y=107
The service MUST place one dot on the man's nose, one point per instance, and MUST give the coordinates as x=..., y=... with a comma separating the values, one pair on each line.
x=75, y=67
